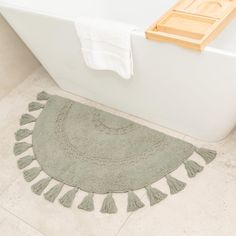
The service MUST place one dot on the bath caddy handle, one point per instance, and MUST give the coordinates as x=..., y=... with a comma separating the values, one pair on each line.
x=193, y=23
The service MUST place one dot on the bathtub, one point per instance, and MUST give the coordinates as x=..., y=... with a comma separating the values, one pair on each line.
x=187, y=91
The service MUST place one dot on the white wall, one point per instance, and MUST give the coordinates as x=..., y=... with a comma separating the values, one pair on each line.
x=16, y=61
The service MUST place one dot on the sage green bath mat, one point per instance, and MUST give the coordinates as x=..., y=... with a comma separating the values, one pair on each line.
x=96, y=152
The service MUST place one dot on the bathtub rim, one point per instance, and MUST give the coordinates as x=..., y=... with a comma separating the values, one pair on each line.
x=136, y=32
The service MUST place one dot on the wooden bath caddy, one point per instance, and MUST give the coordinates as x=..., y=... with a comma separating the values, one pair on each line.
x=193, y=23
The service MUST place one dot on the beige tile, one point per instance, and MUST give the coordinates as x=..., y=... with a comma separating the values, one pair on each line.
x=13, y=226
x=17, y=62
x=55, y=220
x=206, y=207
x=12, y=107
x=8, y=125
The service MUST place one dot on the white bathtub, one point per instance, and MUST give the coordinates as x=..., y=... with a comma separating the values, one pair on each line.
x=187, y=91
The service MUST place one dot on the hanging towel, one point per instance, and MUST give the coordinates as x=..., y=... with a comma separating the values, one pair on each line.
x=106, y=45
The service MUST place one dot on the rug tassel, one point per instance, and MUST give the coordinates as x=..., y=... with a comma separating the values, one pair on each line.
x=34, y=106
x=67, y=199
x=175, y=185
x=192, y=168
x=31, y=174
x=43, y=96
x=134, y=203
x=207, y=154
x=87, y=204
x=26, y=119
x=52, y=194
x=109, y=205
x=155, y=195
x=38, y=187
x=22, y=133
x=19, y=148
x=25, y=161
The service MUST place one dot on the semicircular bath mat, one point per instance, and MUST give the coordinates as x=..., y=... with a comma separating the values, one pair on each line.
x=100, y=153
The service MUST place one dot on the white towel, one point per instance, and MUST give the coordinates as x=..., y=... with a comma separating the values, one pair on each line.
x=106, y=45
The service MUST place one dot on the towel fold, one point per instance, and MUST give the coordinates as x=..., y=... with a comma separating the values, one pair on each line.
x=106, y=45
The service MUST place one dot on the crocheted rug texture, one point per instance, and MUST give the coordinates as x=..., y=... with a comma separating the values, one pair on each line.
x=100, y=153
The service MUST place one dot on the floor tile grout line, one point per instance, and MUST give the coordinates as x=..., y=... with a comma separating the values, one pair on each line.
x=6, y=188
x=126, y=220
x=23, y=80
x=123, y=224
x=12, y=89
x=1, y=206
x=30, y=77
x=31, y=226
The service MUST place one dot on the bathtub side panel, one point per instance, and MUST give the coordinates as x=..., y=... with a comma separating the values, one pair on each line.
x=187, y=91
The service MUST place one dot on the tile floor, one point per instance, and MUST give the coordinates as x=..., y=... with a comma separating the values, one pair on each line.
x=207, y=207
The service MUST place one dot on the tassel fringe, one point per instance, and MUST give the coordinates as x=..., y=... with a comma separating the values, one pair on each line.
x=207, y=154
x=34, y=106
x=26, y=119
x=22, y=133
x=192, y=168
x=109, y=205
x=39, y=187
x=43, y=96
x=87, y=204
x=175, y=185
x=155, y=195
x=32, y=173
x=19, y=148
x=25, y=161
x=68, y=198
x=134, y=203
x=52, y=194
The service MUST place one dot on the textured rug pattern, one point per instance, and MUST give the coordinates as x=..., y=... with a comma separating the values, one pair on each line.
x=99, y=153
